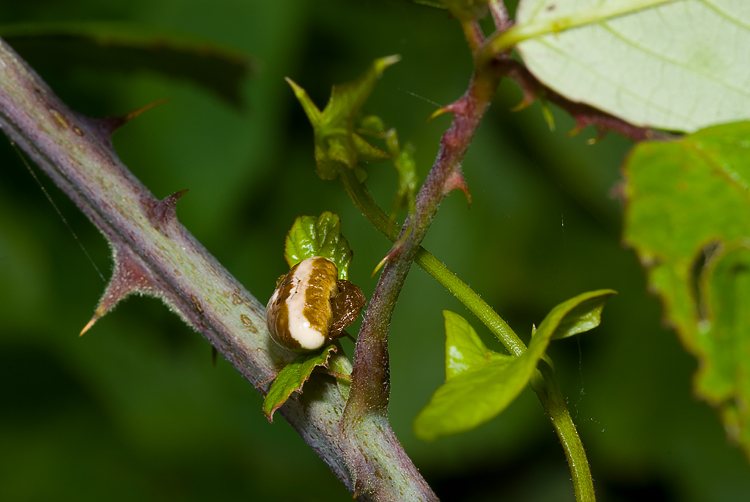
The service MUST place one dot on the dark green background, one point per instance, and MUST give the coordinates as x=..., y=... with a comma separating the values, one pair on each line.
x=134, y=410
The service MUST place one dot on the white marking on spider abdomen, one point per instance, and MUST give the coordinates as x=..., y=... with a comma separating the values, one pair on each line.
x=306, y=298
x=309, y=337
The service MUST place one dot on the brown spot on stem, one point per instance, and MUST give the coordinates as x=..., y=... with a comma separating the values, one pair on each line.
x=59, y=117
x=247, y=322
x=196, y=304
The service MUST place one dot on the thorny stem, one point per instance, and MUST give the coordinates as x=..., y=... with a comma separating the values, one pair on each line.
x=370, y=391
x=545, y=386
x=499, y=15
x=156, y=254
x=370, y=388
x=584, y=115
x=485, y=313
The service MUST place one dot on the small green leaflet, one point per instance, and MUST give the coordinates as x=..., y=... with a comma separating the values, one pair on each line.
x=336, y=143
x=464, y=350
x=688, y=218
x=403, y=160
x=293, y=377
x=318, y=236
x=481, y=383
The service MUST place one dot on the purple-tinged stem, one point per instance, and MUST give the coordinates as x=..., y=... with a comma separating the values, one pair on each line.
x=584, y=115
x=370, y=390
x=155, y=254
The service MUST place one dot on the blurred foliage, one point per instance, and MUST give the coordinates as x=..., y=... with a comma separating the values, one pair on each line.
x=689, y=220
x=128, y=47
x=134, y=410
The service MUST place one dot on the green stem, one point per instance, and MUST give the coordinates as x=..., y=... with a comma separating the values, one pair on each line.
x=370, y=380
x=545, y=386
x=370, y=391
x=363, y=200
x=547, y=389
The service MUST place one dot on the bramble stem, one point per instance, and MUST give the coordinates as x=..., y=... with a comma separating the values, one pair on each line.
x=370, y=389
x=361, y=198
x=370, y=379
x=76, y=152
x=545, y=386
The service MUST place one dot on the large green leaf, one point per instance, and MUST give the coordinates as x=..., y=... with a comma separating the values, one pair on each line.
x=481, y=383
x=688, y=218
x=683, y=65
x=318, y=236
x=130, y=47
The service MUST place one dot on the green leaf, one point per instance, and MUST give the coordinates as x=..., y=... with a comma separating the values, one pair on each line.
x=688, y=218
x=683, y=65
x=318, y=236
x=584, y=316
x=293, y=377
x=472, y=398
x=406, y=166
x=481, y=383
x=403, y=161
x=464, y=350
x=130, y=47
x=336, y=143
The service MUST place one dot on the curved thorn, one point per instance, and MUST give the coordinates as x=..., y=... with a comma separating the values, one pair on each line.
x=130, y=116
x=88, y=326
x=440, y=111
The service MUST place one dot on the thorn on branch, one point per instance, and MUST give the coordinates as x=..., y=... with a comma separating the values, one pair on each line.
x=162, y=214
x=583, y=114
x=110, y=124
x=129, y=277
x=456, y=181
